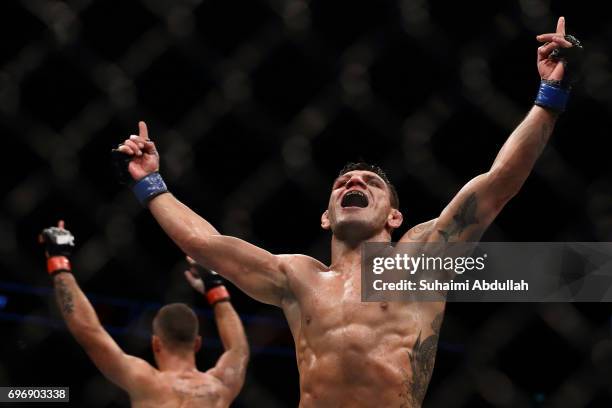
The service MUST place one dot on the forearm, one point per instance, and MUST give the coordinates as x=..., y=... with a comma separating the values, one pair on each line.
x=517, y=157
x=230, y=328
x=186, y=228
x=76, y=310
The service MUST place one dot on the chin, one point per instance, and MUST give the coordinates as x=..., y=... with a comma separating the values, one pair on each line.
x=354, y=230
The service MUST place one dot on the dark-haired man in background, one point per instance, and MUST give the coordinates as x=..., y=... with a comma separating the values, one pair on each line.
x=349, y=353
x=176, y=382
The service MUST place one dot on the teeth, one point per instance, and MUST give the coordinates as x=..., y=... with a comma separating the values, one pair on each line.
x=354, y=192
x=347, y=200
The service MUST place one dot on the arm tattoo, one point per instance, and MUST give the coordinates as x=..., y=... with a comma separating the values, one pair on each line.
x=422, y=360
x=463, y=219
x=64, y=297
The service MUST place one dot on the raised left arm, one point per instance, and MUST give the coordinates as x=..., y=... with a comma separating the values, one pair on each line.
x=231, y=366
x=477, y=204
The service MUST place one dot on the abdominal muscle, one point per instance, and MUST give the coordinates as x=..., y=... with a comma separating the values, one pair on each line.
x=359, y=354
x=342, y=371
x=369, y=360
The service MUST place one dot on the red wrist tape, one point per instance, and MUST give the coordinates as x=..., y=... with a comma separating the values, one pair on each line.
x=57, y=264
x=217, y=294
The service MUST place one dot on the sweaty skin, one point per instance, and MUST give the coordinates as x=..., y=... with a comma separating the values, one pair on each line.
x=349, y=353
x=177, y=382
x=184, y=389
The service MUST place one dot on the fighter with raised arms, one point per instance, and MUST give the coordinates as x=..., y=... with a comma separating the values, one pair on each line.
x=349, y=353
x=176, y=382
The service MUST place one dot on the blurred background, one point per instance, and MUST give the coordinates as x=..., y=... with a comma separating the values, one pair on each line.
x=255, y=106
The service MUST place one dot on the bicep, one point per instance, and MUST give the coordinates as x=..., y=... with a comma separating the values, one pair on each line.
x=128, y=372
x=466, y=217
x=255, y=271
x=471, y=211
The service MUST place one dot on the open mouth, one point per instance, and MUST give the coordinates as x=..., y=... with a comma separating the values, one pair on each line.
x=354, y=198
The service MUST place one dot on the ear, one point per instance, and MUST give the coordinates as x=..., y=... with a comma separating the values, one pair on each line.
x=197, y=344
x=395, y=219
x=325, y=223
x=155, y=343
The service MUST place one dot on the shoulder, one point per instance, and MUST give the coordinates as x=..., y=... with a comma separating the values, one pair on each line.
x=301, y=271
x=140, y=366
x=226, y=382
x=300, y=264
x=144, y=377
x=213, y=377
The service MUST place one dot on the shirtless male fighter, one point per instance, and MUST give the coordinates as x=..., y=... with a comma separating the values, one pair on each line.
x=349, y=353
x=176, y=382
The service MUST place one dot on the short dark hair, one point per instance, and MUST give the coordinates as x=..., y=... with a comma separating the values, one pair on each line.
x=377, y=170
x=177, y=325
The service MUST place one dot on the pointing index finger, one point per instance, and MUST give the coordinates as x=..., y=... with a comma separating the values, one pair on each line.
x=142, y=130
x=561, y=26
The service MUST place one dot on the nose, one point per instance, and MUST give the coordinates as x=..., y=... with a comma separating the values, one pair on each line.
x=356, y=180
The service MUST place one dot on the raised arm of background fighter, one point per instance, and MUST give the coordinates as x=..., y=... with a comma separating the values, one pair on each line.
x=231, y=366
x=128, y=372
x=477, y=204
x=256, y=271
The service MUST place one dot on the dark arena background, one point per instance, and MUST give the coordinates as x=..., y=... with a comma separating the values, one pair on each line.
x=255, y=106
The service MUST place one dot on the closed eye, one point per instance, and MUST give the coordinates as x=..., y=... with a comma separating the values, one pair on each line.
x=375, y=182
x=339, y=183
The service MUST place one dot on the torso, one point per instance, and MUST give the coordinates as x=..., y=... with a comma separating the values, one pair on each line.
x=185, y=390
x=352, y=353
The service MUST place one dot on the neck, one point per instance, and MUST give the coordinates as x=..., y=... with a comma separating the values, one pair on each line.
x=176, y=362
x=347, y=255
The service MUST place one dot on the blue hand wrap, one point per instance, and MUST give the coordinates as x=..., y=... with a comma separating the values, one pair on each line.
x=148, y=187
x=552, y=97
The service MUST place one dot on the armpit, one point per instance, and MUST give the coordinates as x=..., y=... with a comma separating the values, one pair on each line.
x=420, y=232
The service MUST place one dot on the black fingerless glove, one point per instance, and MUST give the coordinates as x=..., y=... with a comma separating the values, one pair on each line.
x=213, y=285
x=571, y=58
x=59, y=244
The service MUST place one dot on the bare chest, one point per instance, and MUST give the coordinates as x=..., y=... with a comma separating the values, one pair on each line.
x=330, y=305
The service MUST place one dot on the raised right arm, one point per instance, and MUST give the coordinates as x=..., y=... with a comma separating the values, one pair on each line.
x=130, y=373
x=257, y=272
